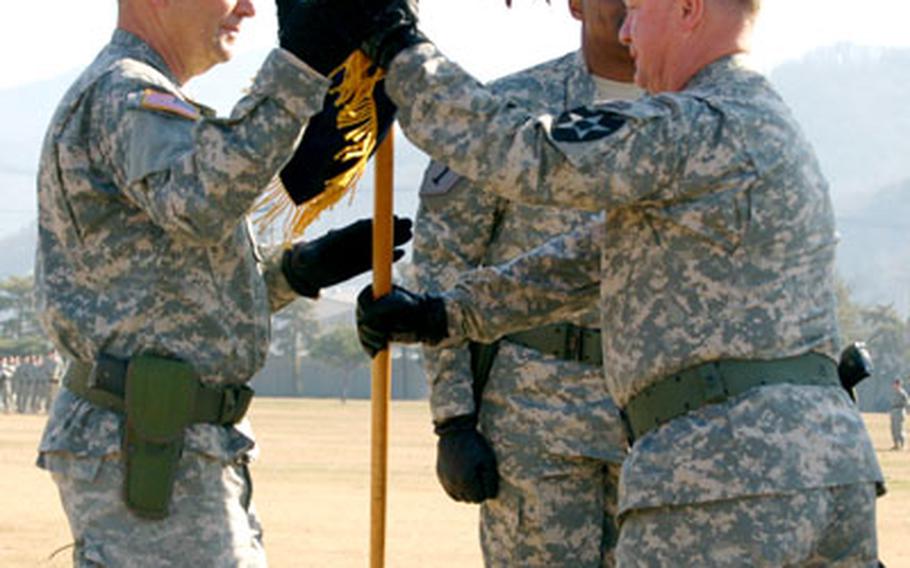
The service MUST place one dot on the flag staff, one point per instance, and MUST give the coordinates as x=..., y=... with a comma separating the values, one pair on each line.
x=382, y=362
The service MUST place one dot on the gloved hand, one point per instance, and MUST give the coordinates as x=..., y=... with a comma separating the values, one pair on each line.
x=337, y=256
x=465, y=463
x=393, y=29
x=400, y=316
x=322, y=33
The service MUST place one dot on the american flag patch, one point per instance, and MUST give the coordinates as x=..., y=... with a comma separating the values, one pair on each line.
x=166, y=102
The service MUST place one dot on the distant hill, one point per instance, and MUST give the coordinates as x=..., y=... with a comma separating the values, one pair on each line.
x=853, y=104
x=874, y=253
x=17, y=251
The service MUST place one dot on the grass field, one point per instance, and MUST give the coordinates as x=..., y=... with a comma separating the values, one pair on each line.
x=312, y=491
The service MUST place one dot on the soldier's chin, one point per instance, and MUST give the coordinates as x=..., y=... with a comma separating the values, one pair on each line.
x=226, y=43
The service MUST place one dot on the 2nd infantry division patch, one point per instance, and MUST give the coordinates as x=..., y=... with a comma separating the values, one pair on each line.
x=585, y=125
x=166, y=102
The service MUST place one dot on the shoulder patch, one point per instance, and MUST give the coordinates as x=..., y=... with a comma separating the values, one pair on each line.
x=438, y=179
x=166, y=102
x=585, y=125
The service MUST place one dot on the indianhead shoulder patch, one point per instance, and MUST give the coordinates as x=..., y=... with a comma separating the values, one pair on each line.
x=585, y=125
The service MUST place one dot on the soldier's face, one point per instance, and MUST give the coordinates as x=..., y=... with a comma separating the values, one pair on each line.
x=651, y=31
x=601, y=22
x=206, y=30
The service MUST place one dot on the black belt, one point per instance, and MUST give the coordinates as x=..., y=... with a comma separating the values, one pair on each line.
x=715, y=382
x=563, y=341
x=103, y=383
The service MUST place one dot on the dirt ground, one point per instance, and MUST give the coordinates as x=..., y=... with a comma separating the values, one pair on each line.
x=312, y=491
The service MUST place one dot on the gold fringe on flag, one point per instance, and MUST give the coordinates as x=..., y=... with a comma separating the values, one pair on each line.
x=357, y=113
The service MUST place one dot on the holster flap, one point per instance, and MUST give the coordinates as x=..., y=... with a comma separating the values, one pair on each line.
x=160, y=397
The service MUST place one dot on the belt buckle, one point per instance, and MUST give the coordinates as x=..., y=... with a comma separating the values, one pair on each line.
x=574, y=343
x=229, y=400
x=715, y=388
x=235, y=401
x=108, y=374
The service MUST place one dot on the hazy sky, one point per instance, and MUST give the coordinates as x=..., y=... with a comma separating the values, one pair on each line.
x=40, y=39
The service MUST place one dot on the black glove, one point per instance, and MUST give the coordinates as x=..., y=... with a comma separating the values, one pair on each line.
x=336, y=256
x=400, y=316
x=394, y=28
x=322, y=33
x=465, y=463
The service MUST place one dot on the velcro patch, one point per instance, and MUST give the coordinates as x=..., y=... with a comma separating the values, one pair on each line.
x=438, y=179
x=586, y=125
x=166, y=102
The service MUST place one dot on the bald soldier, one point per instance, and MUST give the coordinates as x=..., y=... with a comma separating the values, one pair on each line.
x=715, y=275
x=150, y=282
x=543, y=432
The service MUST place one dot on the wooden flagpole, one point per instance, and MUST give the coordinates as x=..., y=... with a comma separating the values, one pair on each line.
x=382, y=362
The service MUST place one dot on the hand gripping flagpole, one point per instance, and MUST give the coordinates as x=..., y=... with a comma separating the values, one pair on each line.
x=382, y=362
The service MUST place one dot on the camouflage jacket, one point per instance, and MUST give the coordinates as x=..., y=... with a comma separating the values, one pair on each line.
x=460, y=227
x=718, y=243
x=144, y=246
x=900, y=401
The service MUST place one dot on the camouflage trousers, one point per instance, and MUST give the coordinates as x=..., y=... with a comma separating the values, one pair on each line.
x=563, y=514
x=826, y=527
x=212, y=522
x=897, y=429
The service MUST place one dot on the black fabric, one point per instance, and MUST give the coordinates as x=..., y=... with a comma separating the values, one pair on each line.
x=465, y=462
x=337, y=256
x=400, y=316
x=314, y=163
x=394, y=29
x=322, y=33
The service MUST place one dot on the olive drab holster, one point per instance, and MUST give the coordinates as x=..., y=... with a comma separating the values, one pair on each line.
x=160, y=401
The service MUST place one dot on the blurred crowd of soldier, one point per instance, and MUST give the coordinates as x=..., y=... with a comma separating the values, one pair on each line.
x=28, y=383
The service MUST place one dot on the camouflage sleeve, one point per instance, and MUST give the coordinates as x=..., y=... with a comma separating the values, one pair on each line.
x=198, y=176
x=280, y=292
x=591, y=158
x=455, y=223
x=546, y=285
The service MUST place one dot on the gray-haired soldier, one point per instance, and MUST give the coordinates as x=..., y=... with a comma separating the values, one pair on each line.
x=715, y=276
x=150, y=283
x=557, y=436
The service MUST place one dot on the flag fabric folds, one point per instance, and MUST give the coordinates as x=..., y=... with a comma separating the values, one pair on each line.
x=334, y=150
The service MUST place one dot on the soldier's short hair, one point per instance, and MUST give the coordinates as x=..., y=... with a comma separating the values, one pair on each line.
x=752, y=6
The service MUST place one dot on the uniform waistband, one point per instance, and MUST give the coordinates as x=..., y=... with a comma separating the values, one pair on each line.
x=717, y=381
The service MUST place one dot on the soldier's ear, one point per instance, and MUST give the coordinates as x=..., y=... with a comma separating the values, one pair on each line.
x=691, y=13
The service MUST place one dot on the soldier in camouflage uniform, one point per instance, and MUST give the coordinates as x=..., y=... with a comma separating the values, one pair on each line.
x=557, y=436
x=25, y=377
x=715, y=273
x=900, y=402
x=6, y=385
x=146, y=258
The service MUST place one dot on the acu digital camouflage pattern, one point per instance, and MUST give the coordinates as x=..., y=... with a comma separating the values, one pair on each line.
x=552, y=424
x=205, y=490
x=900, y=401
x=820, y=528
x=718, y=243
x=144, y=247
